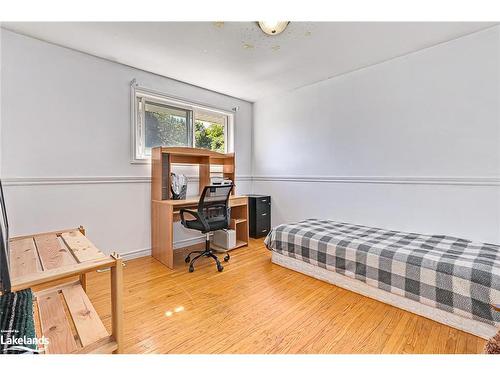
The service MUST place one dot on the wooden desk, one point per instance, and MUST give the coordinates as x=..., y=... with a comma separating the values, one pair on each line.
x=165, y=212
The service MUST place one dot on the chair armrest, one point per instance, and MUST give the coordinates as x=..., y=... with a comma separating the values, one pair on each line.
x=196, y=215
x=191, y=212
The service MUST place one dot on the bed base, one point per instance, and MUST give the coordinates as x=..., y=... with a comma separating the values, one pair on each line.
x=473, y=327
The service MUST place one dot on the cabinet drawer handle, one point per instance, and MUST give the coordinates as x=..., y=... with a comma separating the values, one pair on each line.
x=264, y=200
x=265, y=230
x=264, y=214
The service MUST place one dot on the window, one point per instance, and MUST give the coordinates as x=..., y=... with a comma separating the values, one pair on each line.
x=162, y=121
x=210, y=131
x=165, y=126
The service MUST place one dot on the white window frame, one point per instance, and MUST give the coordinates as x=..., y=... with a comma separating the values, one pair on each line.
x=138, y=155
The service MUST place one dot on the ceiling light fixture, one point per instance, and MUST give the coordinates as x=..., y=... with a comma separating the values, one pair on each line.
x=273, y=27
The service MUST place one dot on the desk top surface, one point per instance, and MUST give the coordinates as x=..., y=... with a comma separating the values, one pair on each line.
x=192, y=151
x=192, y=200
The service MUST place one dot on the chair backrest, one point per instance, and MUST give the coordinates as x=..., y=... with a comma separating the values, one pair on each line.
x=214, y=202
x=4, y=246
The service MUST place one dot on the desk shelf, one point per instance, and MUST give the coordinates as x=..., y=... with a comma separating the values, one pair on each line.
x=241, y=227
x=238, y=221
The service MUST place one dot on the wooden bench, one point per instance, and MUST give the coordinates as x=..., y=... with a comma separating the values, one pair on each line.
x=64, y=313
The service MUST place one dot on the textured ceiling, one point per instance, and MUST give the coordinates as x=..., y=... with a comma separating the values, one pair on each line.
x=237, y=58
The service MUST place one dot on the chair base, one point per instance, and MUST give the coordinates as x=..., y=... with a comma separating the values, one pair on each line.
x=207, y=252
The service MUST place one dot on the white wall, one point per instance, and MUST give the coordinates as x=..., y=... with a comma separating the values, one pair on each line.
x=410, y=144
x=65, y=147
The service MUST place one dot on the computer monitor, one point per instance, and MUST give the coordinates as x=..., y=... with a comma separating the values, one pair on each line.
x=4, y=246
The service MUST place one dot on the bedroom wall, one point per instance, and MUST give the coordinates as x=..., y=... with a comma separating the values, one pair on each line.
x=65, y=150
x=411, y=144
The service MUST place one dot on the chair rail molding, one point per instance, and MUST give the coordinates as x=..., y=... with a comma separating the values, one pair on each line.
x=28, y=181
x=80, y=180
x=406, y=180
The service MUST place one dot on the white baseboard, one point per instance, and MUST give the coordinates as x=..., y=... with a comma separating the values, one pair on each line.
x=135, y=254
x=139, y=253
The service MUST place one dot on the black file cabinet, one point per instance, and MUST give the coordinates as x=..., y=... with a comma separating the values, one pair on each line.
x=259, y=207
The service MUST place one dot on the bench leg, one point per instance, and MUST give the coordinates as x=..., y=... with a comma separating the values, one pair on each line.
x=117, y=302
x=83, y=281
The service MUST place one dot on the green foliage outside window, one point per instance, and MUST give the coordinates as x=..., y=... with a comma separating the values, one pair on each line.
x=165, y=129
x=209, y=135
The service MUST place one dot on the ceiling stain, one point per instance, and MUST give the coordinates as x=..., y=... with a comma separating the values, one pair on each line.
x=252, y=37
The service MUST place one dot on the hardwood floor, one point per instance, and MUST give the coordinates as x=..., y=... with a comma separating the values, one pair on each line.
x=254, y=306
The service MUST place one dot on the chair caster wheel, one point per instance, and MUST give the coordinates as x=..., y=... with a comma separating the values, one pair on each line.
x=191, y=268
x=226, y=258
x=220, y=268
x=188, y=259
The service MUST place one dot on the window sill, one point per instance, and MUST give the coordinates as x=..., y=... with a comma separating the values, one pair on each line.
x=140, y=161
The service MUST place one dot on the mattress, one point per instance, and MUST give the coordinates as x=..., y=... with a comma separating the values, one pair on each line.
x=451, y=274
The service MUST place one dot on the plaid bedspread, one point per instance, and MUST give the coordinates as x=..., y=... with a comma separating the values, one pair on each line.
x=451, y=274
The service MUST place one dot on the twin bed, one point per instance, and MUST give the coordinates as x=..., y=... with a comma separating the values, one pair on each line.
x=447, y=279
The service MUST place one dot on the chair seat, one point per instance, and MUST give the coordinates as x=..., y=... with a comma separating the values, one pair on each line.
x=215, y=224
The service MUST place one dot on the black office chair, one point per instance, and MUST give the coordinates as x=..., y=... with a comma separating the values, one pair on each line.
x=213, y=214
